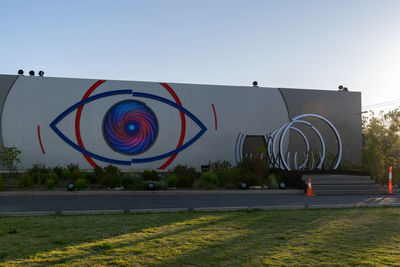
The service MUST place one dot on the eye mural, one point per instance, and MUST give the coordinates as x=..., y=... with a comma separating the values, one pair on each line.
x=130, y=127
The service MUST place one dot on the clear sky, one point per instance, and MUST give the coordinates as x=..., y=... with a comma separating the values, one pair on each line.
x=316, y=44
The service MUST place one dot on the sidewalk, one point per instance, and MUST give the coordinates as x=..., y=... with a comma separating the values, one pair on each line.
x=161, y=192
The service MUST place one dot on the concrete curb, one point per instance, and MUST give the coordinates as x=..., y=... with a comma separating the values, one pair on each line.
x=221, y=208
x=27, y=213
x=86, y=212
x=141, y=193
x=201, y=209
x=158, y=210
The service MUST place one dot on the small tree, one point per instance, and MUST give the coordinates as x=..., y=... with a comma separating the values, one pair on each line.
x=9, y=157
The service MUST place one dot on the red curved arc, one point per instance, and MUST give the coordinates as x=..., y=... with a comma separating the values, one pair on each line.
x=40, y=139
x=183, y=126
x=215, y=117
x=78, y=120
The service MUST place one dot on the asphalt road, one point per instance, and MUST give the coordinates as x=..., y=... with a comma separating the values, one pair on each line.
x=60, y=204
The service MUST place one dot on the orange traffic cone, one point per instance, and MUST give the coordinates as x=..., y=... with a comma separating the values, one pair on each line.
x=310, y=192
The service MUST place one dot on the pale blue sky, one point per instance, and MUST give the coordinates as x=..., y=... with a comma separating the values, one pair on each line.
x=315, y=44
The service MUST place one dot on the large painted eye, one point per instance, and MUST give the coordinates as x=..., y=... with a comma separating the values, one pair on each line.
x=130, y=127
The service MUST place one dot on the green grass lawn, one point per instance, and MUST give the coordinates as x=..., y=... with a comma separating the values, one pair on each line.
x=359, y=236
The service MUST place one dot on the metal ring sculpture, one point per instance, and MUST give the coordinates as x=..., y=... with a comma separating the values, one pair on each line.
x=275, y=142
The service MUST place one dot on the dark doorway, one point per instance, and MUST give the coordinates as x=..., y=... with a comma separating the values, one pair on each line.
x=252, y=143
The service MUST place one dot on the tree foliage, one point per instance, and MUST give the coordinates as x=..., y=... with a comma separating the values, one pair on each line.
x=9, y=157
x=381, y=143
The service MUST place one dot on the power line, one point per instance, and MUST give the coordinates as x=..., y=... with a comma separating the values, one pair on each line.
x=386, y=103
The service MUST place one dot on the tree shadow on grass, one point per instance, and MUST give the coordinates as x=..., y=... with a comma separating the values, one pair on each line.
x=21, y=237
x=76, y=252
x=301, y=237
x=333, y=237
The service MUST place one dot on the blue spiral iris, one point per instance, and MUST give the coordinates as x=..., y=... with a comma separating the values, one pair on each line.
x=130, y=127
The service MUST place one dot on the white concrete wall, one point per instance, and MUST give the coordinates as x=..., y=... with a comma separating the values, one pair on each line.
x=36, y=101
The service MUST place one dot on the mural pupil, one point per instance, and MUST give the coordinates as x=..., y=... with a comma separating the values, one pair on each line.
x=130, y=127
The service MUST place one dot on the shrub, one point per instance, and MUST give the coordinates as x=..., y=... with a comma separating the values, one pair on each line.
x=92, y=178
x=209, y=177
x=49, y=183
x=25, y=181
x=1, y=182
x=116, y=181
x=58, y=170
x=172, y=180
x=132, y=181
x=253, y=170
x=98, y=171
x=233, y=178
x=110, y=169
x=224, y=177
x=41, y=178
x=110, y=180
x=54, y=177
x=203, y=184
x=75, y=174
x=150, y=176
x=81, y=183
x=73, y=167
x=273, y=181
x=38, y=168
x=64, y=174
x=185, y=175
x=219, y=165
x=39, y=173
x=9, y=157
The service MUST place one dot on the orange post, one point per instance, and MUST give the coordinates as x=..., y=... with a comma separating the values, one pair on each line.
x=390, y=180
x=309, y=192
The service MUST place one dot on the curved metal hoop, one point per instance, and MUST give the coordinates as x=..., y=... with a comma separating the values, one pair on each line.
x=277, y=155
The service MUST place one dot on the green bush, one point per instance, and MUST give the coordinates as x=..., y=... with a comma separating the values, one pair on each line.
x=203, y=184
x=40, y=173
x=273, y=181
x=73, y=167
x=41, y=178
x=9, y=157
x=1, y=182
x=98, y=171
x=116, y=181
x=92, y=178
x=110, y=180
x=185, y=175
x=253, y=170
x=58, y=170
x=75, y=174
x=25, y=181
x=38, y=168
x=219, y=165
x=54, y=177
x=81, y=183
x=172, y=180
x=110, y=176
x=233, y=178
x=64, y=174
x=132, y=181
x=211, y=178
x=150, y=176
x=50, y=183
x=110, y=169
